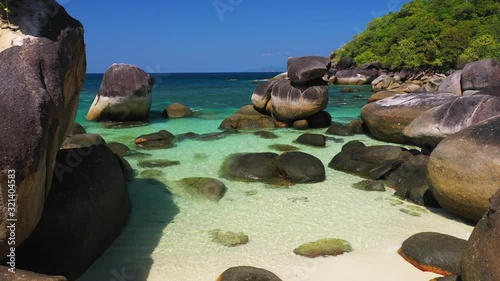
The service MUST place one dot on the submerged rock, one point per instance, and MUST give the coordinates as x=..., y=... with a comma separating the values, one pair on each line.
x=82, y=140
x=266, y=135
x=247, y=273
x=160, y=163
x=228, y=238
x=118, y=148
x=434, y=252
x=124, y=95
x=324, y=247
x=283, y=147
x=204, y=188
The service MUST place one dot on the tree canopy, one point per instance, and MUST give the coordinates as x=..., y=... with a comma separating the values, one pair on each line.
x=430, y=34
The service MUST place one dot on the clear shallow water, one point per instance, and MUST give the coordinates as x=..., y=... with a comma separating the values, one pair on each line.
x=167, y=236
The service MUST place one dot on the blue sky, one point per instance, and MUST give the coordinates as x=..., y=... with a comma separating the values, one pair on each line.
x=217, y=35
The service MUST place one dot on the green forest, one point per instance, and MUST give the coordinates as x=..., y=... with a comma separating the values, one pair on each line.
x=430, y=34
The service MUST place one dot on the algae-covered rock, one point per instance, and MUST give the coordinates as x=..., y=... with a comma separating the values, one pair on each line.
x=199, y=188
x=157, y=163
x=228, y=238
x=369, y=185
x=324, y=247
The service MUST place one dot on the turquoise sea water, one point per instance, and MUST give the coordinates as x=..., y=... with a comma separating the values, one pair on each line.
x=168, y=238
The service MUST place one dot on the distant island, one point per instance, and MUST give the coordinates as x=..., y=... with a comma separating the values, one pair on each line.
x=429, y=34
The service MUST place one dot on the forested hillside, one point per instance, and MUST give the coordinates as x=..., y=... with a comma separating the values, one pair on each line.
x=427, y=34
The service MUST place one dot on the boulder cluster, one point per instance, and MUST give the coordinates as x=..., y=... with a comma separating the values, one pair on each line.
x=296, y=98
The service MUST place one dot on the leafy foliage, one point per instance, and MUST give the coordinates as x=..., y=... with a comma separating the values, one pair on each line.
x=433, y=34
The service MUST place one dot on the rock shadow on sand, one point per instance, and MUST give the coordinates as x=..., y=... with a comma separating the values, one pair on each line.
x=129, y=256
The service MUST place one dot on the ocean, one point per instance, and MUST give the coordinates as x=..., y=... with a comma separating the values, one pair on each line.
x=168, y=236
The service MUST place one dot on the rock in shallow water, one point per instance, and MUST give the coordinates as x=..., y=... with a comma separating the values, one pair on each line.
x=124, y=95
x=177, y=110
x=161, y=139
x=250, y=166
x=312, y=139
x=299, y=167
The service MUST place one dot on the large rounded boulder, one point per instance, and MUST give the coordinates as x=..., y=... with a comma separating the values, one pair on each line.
x=432, y=126
x=42, y=71
x=85, y=211
x=479, y=74
x=452, y=84
x=262, y=95
x=292, y=101
x=299, y=167
x=124, y=95
x=305, y=69
x=250, y=166
x=464, y=169
x=387, y=118
x=481, y=259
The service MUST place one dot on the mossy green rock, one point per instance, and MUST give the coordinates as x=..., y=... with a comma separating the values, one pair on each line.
x=151, y=173
x=228, y=238
x=324, y=247
x=369, y=185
